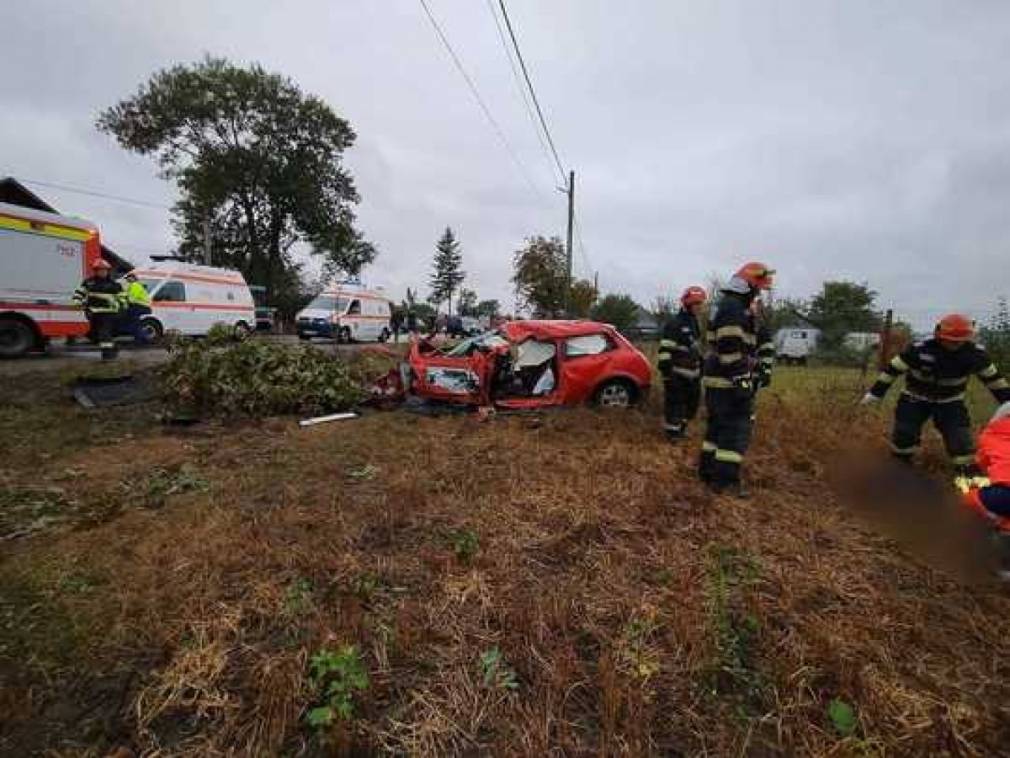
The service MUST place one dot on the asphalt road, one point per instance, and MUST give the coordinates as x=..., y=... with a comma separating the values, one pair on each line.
x=60, y=357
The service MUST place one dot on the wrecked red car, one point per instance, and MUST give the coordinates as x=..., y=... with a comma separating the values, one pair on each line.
x=532, y=364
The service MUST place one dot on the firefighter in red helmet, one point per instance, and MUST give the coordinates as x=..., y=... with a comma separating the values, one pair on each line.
x=739, y=362
x=936, y=377
x=679, y=363
x=101, y=298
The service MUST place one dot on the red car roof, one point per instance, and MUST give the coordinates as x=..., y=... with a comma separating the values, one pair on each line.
x=517, y=331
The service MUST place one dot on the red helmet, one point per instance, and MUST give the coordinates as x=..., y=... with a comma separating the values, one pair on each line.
x=955, y=327
x=757, y=275
x=693, y=296
x=101, y=263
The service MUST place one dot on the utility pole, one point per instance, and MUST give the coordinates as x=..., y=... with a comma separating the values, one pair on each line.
x=568, y=249
x=207, y=241
x=884, y=356
x=596, y=283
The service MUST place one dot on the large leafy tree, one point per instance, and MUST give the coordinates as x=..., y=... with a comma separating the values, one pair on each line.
x=842, y=307
x=256, y=158
x=488, y=308
x=582, y=298
x=619, y=310
x=540, y=274
x=467, y=302
x=447, y=269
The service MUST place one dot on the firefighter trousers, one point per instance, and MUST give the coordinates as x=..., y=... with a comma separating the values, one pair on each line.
x=727, y=434
x=681, y=397
x=951, y=420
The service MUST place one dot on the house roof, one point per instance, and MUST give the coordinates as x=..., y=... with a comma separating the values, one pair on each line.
x=14, y=192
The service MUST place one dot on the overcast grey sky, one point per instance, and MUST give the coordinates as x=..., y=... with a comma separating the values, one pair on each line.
x=859, y=139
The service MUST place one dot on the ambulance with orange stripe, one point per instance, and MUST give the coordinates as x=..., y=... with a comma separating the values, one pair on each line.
x=43, y=258
x=189, y=298
x=347, y=312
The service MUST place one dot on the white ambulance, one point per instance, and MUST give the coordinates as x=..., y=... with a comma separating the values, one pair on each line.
x=43, y=258
x=347, y=312
x=190, y=298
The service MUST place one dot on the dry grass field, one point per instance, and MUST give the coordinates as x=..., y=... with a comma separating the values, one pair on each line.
x=552, y=584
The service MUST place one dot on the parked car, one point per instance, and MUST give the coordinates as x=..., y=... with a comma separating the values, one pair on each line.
x=532, y=364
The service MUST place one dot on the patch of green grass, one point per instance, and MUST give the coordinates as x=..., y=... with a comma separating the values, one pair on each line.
x=162, y=483
x=733, y=671
x=465, y=544
x=27, y=510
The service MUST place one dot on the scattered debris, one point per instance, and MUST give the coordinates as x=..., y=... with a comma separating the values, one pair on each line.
x=102, y=392
x=327, y=419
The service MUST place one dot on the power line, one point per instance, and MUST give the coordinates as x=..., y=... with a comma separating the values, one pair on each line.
x=95, y=193
x=480, y=100
x=529, y=83
x=523, y=94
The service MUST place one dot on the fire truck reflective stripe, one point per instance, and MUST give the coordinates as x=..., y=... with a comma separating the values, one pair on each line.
x=38, y=227
x=6, y=305
x=187, y=277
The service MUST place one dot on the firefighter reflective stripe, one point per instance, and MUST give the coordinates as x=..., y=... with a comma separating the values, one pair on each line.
x=999, y=383
x=730, y=357
x=989, y=372
x=962, y=460
x=708, y=447
x=717, y=382
x=899, y=365
x=728, y=456
x=904, y=450
x=952, y=381
x=923, y=399
x=885, y=378
x=687, y=373
x=750, y=339
x=729, y=331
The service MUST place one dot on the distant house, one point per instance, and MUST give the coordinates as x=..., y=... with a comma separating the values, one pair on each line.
x=15, y=193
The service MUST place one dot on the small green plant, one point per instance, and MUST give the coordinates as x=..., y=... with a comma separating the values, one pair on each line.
x=298, y=597
x=335, y=677
x=162, y=483
x=465, y=543
x=495, y=672
x=365, y=585
x=219, y=335
x=842, y=716
x=634, y=648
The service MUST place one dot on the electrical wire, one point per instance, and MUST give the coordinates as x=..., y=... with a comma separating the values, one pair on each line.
x=480, y=100
x=95, y=193
x=523, y=94
x=529, y=83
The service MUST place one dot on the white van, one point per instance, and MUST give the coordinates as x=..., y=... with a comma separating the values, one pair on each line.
x=190, y=299
x=795, y=344
x=348, y=312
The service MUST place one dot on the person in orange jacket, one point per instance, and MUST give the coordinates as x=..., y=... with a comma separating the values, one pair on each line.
x=989, y=494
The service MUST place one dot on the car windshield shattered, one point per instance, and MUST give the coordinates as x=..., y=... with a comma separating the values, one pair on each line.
x=487, y=340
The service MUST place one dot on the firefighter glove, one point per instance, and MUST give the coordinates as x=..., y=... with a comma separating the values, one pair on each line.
x=743, y=386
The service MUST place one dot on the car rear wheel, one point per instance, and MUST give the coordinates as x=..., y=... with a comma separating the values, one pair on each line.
x=345, y=335
x=617, y=393
x=241, y=331
x=16, y=338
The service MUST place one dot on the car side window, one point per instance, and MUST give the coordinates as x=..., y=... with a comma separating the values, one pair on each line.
x=355, y=308
x=171, y=292
x=587, y=344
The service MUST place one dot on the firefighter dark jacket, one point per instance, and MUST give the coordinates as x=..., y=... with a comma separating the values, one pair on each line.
x=935, y=374
x=738, y=347
x=680, y=346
